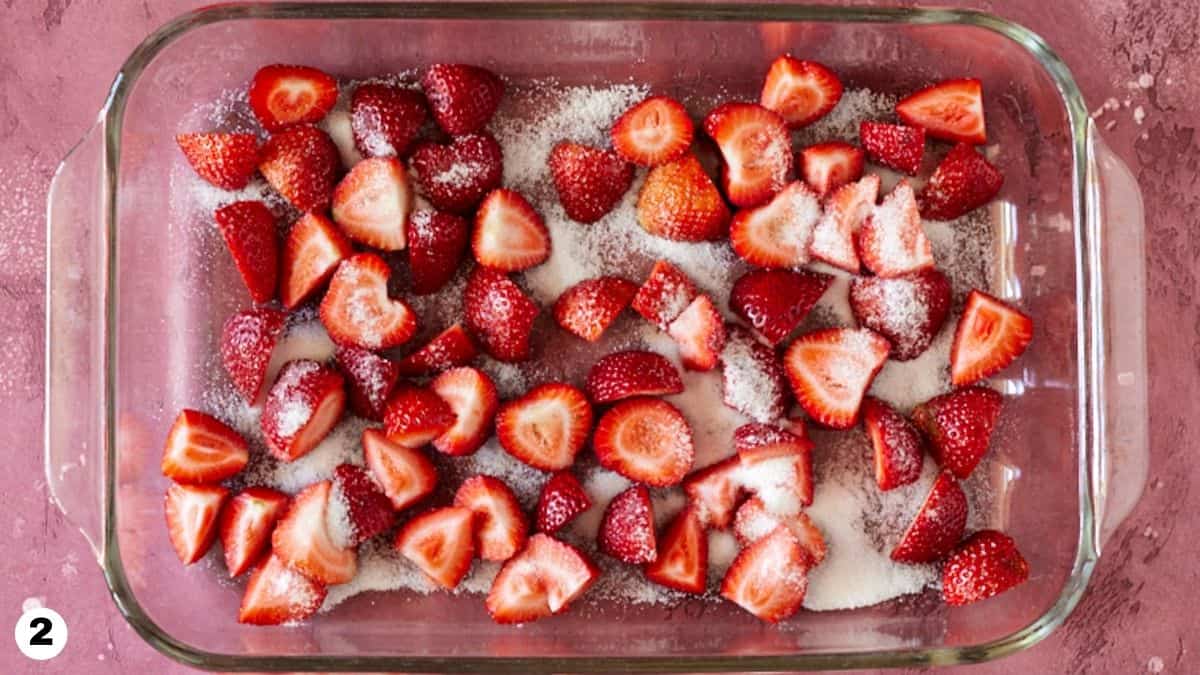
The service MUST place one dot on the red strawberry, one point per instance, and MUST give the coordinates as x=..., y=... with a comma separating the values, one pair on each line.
x=756, y=435
x=679, y=201
x=562, y=499
x=781, y=474
x=589, y=181
x=646, y=440
x=769, y=577
x=472, y=397
x=246, y=524
x=462, y=98
x=632, y=373
x=682, y=562
x=774, y=302
x=990, y=335
x=753, y=522
x=247, y=340
x=202, y=449
x=908, y=310
x=828, y=166
x=778, y=233
x=653, y=132
x=302, y=164
x=752, y=379
x=509, y=235
x=302, y=539
x=540, y=581
x=959, y=426
x=367, y=510
x=897, y=445
x=283, y=95
x=757, y=150
x=938, y=525
x=951, y=110
x=714, y=491
x=451, y=348
x=226, y=160
x=546, y=427
x=499, y=314
x=415, y=416
x=699, y=332
x=405, y=474
x=891, y=240
x=802, y=92
x=311, y=253
x=500, y=524
x=357, y=310
x=192, y=518
x=385, y=119
x=457, y=175
x=441, y=543
x=985, y=565
x=436, y=243
x=370, y=377
x=278, y=594
x=963, y=182
x=590, y=306
x=664, y=295
x=830, y=371
x=895, y=146
x=305, y=402
x=845, y=211
x=249, y=231
x=372, y=203
x=627, y=530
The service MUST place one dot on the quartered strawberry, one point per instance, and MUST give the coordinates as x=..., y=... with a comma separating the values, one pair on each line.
x=714, y=492
x=451, y=348
x=845, y=211
x=441, y=543
x=590, y=306
x=202, y=449
x=754, y=435
x=802, y=92
x=370, y=379
x=828, y=166
x=752, y=379
x=653, y=132
x=753, y=522
x=961, y=183
x=499, y=314
x=561, y=500
x=664, y=295
x=895, y=146
x=757, y=150
x=283, y=95
x=589, y=181
x=985, y=565
x=456, y=176
x=192, y=518
x=302, y=164
x=462, y=98
x=770, y=577
x=632, y=373
x=372, y=203
x=357, y=310
x=509, y=235
x=540, y=581
x=472, y=396
x=227, y=161
x=938, y=525
x=780, y=474
x=699, y=333
x=679, y=201
x=278, y=594
x=774, y=302
x=646, y=440
x=385, y=118
x=249, y=231
x=311, y=252
x=246, y=524
x=247, y=340
x=368, y=511
x=898, y=449
x=891, y=240
x=302, y=539
x=951, y=110
x=778, y=233
x=830, y=371
x=990, y=335
x=959, y=426
x=908, y=310
x=627, y=529
x=415, y=416
x=436, y=243
x=405, y=474
x=682, y=562
x=547, y=427
x=501, y=527
x=304, y=404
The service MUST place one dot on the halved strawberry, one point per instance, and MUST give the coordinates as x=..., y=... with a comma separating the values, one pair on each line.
x=752, y=379
x=699, y=332
x=845, y=211
x=247, y=340
x=590, y=306
x=959, y=426
x=664, y=295
x=441, y=543
x=225, y=160
x=405, y=474
x=501, y=527
x=714, y=492
x=828, y=166
x=757, y=435
x=780, y=474
x=283, y=95
x=457, y=175
x=385, y=118
x=302, y=539
x=311, y=252
x=627, y=529
x=305, y=402
x=770, y=577
x=358, y=506
x=990, y=335
x=357, y=310
x=951, y=110
x=802, y=92
x=540, y=581
x=632, y=373
x=546, y=427
x=679, y=201
x=436, y=243
x=961, y=183
x=653, y=132
x=302, y=164
x=891, y=240
x=985, y=565
x=278, y=594
x=462, y=98
x=451, y=348
x=370, y=377
x=246, y=524
x=938, y=525
x=561, y=500
x=682, y=562
x=645, y=439
x=472, y=396
x=908, y=310
x=898, y=449
x=774, y=302
x=757, y=150
x=830, y=371
x=372, y=203
x=895, y=146
x=509, y=235
x=499, y=314
x=778, y=233
x=192, y=518
x=753, y=522
x=249, y=231
x=415, y=416
x=589, y=181
x=202, y=449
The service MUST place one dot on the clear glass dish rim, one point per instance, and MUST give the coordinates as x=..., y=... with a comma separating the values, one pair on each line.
x=1089, y=339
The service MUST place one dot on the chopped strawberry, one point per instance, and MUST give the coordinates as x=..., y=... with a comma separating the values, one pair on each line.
x=985, y=565
x=385, y=119
x=752, y=379
x=405, y=474
x=908, y=310
x=938, y=525
x=653, y=132
x=367, y=510
x=372, y=203
x=462, y=98
x=951, y=110
x=561, y=500
x=895, y=146
x=774, y=302
x=778, y=233
x=757, y=150
x=845, y=211
x=891, y=240
x=664, y=295
x=828, y=166
x=961, y=183
x=278, y=594
x=283, y=95
x=249, y=231
x=990, y=335
x=699, y=332
x=632, y=373
x=472, y=396
x=646, y=440
x=246, y=524
x=247, y=340
x=509, y=235
x=202, y=449
x=627, y=529
x=540, y=581
x=753, y=522
x=499, y=314
x=897, y=445
x=451, y=348
x=830, y=371
x=590, y=306
x=305, y=402
x=456, y=176
x=714, y=492
x=302, y=164
x=802, y=92
x=311, y=252
x=436, y=243
x=781, y=474
x=589, y=181
x=302, y=539
x=959, y=426
x=415, y=416
x=441, y=543
x=370, y=377
x=770, y=577
x=226, y=160
x=682, y=562
x=192, y=518
x=357, y=310
x=757, y=435
x=546, y=427
x=679, y=201
x=500, y=525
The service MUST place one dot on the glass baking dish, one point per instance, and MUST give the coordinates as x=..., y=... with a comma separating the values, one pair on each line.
x=127, y=345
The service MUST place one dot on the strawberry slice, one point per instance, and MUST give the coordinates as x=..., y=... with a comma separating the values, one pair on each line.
x=845, y=211
x=757, y=150
x=963, y=182
x=646, y=440
x=249, y=231
x=546, y=427
x=769, y=577
x=752, y=379
x=781, y=474
x=778, y=233
x=990, y=335
x=699, y=332
x=589, y=181
x=774, y=302
x=627, y=529
x=357, y=310
x=828, y=166
x=451, y=348
x=358, y=506
x=436, y=243
x=462, y=98
x=283, y=95
x=441, y=543
x=278, y=594
x=561, y=500
x=227, y=161
x=202, y=449
x=891, y=240
x=499, y=314
x=302, y=539
x=472, y=396
x=456, y=176
x=664, y=295
x=247, y=340
x=415, y=416
x=985, y=565
x=302, y=164
x=682, y=562
x=714, y=492
x=632, y=373
x=370, y=377
x=304, y=404
x=908, y=310
x=830, y=371
x=540, y=581
x=385, y=118
x=311, y=252
x=590, y=306
x=959, y=426
x=679, y=201
x=405, y=474
x=753, y=522
x=656, y=131
x=938, y=525
x=192, y=518
x=500, y=525
x=509, y=235
x=372, y=203
x=895, y=146
x=897, y=445
x=802, y=92
x=246, y=524
x=951, y=110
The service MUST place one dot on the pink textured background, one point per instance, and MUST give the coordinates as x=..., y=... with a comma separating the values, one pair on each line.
x=57, y=59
